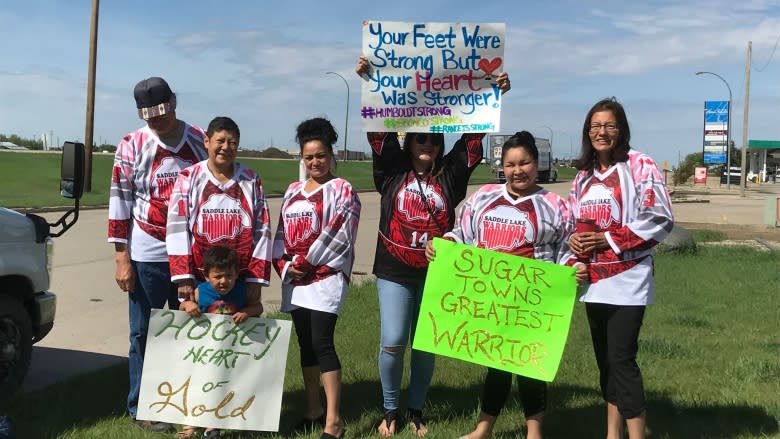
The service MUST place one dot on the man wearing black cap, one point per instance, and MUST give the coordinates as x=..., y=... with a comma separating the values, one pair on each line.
x=146, y=165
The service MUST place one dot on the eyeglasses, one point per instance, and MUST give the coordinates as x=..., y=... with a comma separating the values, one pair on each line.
x=435, y=140
x=610, y=127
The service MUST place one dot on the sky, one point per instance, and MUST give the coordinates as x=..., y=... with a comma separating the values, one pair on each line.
x=263, y=64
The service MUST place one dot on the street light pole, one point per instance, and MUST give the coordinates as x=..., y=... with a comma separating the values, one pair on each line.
x=728, y=130
x=346, y=115
x=551, y=134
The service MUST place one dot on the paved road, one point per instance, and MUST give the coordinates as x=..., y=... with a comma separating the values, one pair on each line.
x=90, y=331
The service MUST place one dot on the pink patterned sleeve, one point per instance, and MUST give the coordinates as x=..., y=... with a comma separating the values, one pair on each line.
x=121, y=193
x=652, y=220
x=260, y=263
x=178, y=237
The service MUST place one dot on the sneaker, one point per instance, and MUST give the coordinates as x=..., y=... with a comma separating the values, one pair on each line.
x=211, y=434
x=157, y=427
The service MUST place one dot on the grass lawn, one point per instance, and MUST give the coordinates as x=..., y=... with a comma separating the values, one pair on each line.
x=33, y=179
x=708, y=352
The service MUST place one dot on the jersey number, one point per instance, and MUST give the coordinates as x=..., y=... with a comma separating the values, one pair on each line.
x=419, y=239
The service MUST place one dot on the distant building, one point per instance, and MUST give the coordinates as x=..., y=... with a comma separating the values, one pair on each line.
x=351, y=155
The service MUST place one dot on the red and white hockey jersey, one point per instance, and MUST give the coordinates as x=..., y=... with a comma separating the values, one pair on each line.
x=316, y=234
x=415, y=210
x=535, y=226
x=631, y=206
x=145, y=170
x=205, y=212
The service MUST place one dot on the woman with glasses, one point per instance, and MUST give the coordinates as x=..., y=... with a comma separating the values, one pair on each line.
x=621, y=192
x=420, y=187
x=545, y=223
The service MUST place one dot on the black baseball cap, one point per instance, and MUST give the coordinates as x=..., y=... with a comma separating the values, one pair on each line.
x=153, y=97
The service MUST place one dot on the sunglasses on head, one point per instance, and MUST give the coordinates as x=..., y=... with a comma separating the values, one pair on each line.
x=422, y=138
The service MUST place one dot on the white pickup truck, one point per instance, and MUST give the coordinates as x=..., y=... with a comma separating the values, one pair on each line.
x=27, y=307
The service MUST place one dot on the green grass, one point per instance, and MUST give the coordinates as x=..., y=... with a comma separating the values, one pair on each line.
x=33, y=179
x=707, y=235
x=708, y=352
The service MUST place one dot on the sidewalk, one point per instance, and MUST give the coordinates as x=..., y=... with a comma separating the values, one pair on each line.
x=717, y=204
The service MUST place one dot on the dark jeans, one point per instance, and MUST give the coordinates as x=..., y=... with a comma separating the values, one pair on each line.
x=498, y=383
x=153, y=289
x=315, y=331
x=614, y=330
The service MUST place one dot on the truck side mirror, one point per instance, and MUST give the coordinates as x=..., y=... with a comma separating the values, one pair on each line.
x=72, y=170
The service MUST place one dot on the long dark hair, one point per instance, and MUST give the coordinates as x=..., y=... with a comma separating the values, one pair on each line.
x=436, y=168
x=619, y=153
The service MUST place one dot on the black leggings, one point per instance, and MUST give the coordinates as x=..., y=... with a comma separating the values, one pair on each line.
x=315, y=337
x=614, y=330
x=498, y=384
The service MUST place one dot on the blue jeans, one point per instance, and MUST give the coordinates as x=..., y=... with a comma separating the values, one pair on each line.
x=153, y=289
x=399, y=306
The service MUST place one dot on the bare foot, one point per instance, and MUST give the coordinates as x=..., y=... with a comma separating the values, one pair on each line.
x=421, y=430
x=386, y=429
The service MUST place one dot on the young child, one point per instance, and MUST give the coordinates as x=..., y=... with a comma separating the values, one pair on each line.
x=221, y=293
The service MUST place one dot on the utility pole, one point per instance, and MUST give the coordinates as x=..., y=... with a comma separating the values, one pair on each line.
x=91, y=96
x=746, y=107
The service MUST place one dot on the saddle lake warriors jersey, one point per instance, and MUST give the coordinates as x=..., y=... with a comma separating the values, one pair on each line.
x=316, y=234
x=535, y=226
x=205, y=213
x=143, y=176
x=414, y=211
x=630, y=204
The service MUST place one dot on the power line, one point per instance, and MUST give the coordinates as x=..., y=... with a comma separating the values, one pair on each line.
x=770, y=56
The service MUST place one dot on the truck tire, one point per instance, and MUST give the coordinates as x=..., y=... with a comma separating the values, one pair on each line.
x=15, y=344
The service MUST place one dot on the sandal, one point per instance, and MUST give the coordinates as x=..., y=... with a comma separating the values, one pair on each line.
x=416, y=421
x=306, y=424
x=330, y=436
x=390, y=417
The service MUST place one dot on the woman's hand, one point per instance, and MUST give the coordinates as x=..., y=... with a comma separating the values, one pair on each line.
x=186, y=290
x=587, y=242
x=240, y=317
x=503, y=82
x=362, y=67
x=430, y=252
x=581, y=273
x=190, y=308
x=295, y=273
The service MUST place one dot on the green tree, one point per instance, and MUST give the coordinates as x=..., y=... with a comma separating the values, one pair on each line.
x=686, y=168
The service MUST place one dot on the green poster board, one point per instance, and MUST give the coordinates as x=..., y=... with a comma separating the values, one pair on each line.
x=497, y=310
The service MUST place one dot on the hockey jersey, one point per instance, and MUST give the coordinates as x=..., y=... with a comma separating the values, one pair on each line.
x=316, y=234
x=630, y=204
x=415, y=210
x=205, y=212
x=535, y=226
x=144, y=172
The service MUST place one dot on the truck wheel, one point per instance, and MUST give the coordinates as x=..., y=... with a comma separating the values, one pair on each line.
x=15, y=344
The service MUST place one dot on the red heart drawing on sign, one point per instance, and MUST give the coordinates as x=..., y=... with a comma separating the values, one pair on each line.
x=489, y=66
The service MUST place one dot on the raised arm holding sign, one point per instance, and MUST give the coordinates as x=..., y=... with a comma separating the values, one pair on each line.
x=420, y=185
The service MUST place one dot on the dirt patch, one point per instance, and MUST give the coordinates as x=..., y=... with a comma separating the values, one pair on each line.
x=737, y=231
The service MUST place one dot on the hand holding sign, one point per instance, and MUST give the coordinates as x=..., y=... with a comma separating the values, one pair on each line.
x=495, y=309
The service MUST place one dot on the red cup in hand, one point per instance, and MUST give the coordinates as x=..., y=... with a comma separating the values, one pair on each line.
x=583, y=225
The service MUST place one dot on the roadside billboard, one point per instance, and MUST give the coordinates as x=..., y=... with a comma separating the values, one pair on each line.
x=716, y=135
